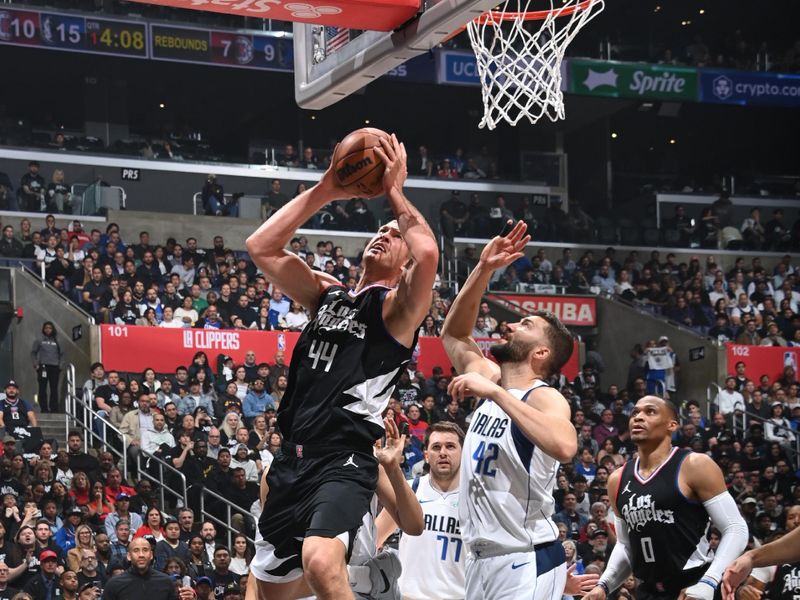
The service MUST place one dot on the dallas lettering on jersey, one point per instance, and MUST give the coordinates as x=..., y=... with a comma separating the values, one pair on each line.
x=211, y=339
x=641, y=510
x=333, y=317
x=442, y=524
x=489, y=427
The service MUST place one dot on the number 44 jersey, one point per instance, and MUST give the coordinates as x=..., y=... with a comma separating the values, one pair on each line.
x=506, y=484
x=343, y=370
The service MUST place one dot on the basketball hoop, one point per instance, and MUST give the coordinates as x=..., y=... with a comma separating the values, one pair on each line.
x=519, y=65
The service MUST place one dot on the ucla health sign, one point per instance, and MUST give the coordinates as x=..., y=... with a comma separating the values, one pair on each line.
x=457, y=68
x=744, y=88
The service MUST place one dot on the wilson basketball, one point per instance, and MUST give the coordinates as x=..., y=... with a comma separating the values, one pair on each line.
x=358, y=169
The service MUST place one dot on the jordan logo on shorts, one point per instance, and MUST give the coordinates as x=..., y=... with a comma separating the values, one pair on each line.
x=350, y=462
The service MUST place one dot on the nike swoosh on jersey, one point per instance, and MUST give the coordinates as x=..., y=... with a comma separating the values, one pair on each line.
x=424, y=501
x=517, y=566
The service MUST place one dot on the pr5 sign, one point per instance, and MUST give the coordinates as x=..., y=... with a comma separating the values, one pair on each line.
x=130, y=174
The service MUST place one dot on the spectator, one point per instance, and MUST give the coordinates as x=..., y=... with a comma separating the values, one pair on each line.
x=10, y=246
x=48, y=359
x=32, y=188
x=142, y=580
x=728, y=399
x=16, y=414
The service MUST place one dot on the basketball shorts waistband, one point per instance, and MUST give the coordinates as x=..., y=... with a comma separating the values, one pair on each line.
x=319, y=450
x=549, y=555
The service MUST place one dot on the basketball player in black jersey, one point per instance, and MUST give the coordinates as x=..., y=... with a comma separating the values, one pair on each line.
x=775, y=566
x=342, y=372
x=662, y=501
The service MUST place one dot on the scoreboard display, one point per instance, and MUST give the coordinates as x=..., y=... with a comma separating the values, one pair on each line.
x=136, y=39
x=58, y=31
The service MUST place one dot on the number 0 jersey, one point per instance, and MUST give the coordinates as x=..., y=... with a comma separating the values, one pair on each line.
x=506, y=484
x=434, y=562
x=343, y=370
x=667, y=531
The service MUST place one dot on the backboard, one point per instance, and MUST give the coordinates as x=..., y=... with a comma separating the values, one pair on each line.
x=331, y=63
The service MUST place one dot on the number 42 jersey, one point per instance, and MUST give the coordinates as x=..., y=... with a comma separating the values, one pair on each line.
x=343, y=370
x=506, y=484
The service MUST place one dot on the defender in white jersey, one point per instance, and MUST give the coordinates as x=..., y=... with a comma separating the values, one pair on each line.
x=516, y=440
x=434, y=562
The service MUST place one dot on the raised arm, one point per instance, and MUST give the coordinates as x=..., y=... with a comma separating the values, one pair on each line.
x=783, y=550
x=398, y=499
x=282, y=268
x=406, y=307
x=464, y=353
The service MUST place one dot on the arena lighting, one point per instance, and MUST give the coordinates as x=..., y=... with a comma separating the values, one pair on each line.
x=702, y=11
x=614, y=135
x=366, y=121
x=161, y=105
x=657, y=9
x=313, y=117
x=672, y=141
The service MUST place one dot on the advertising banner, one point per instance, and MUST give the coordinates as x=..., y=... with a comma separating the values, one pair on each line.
x=578, y=311
x=762, y=360
x=743, y=88
x=132, y=348
x=632, y=80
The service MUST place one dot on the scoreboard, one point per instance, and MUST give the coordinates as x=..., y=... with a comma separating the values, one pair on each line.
x=136, y=39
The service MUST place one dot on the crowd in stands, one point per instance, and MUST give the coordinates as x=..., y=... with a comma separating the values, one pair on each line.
x=214, y=420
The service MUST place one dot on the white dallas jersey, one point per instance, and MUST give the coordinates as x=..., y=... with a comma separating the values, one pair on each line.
x=433, y=563
x=506, y=484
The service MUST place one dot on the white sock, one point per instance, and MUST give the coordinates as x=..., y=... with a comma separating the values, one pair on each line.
x=359, y=579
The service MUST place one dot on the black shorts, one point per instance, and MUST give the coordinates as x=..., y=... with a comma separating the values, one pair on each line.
x=321, y=492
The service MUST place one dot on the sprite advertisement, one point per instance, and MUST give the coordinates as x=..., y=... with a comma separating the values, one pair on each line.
x=633, y=80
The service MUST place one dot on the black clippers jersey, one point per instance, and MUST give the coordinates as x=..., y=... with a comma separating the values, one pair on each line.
x=669, y=548
x=786, y=583
x=343, y=370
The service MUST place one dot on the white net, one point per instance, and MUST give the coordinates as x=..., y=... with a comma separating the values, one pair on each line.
x=519, y=60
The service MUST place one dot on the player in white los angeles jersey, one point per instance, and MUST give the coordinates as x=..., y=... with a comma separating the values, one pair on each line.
x=433, y=563
x=516, y=440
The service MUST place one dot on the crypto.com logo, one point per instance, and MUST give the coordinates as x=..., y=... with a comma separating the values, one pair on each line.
x=722, y=87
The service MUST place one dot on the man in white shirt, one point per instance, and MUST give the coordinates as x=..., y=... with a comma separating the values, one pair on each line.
x=729, y=400
x=153, y=440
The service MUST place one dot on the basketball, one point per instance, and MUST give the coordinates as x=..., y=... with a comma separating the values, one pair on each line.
x=358, y=168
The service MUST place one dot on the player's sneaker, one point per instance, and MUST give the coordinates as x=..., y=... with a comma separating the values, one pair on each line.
x=384, y=571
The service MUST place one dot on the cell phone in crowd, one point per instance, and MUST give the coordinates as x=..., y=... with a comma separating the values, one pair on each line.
x=403, y=428
x=186, y=581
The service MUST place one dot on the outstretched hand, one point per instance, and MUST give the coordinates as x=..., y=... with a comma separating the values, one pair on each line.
x=501, y=251
x=390, y=455
x=394, y=157
x=735, y=575
x=579, y=585
x=471, y=384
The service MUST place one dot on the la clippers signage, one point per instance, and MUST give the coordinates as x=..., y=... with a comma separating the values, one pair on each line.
x=132, y=348
x=762, y=360
x=375, y=15
x=576, y=311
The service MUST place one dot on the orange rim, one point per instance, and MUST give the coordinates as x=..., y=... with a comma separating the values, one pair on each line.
x=536, y=15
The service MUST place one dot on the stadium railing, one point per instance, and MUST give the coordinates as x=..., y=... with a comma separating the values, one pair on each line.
x=80, y=415
x=147, y=464
x=209, y=498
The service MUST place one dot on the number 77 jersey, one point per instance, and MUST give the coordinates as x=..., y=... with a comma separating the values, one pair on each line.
x=506, y=484
x=343, y=370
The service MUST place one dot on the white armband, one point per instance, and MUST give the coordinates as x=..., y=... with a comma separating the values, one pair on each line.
x=619, y=566
x=725, y=516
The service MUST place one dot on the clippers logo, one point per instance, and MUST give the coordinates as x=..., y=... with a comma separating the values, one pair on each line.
x=211, y=339
x=309, y=11
x=723, y=87
x=352, y=168
x=641, y=510
x=243, y=50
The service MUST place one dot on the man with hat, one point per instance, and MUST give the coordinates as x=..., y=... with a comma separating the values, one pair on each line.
x=88, y=591
x=141, y=580
x=204, y=588
x=232, y=592
x=32, y=188
x=599, y=548
x=44, y=585
x=122, y=512
x=65, y=537
x=15, y=412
